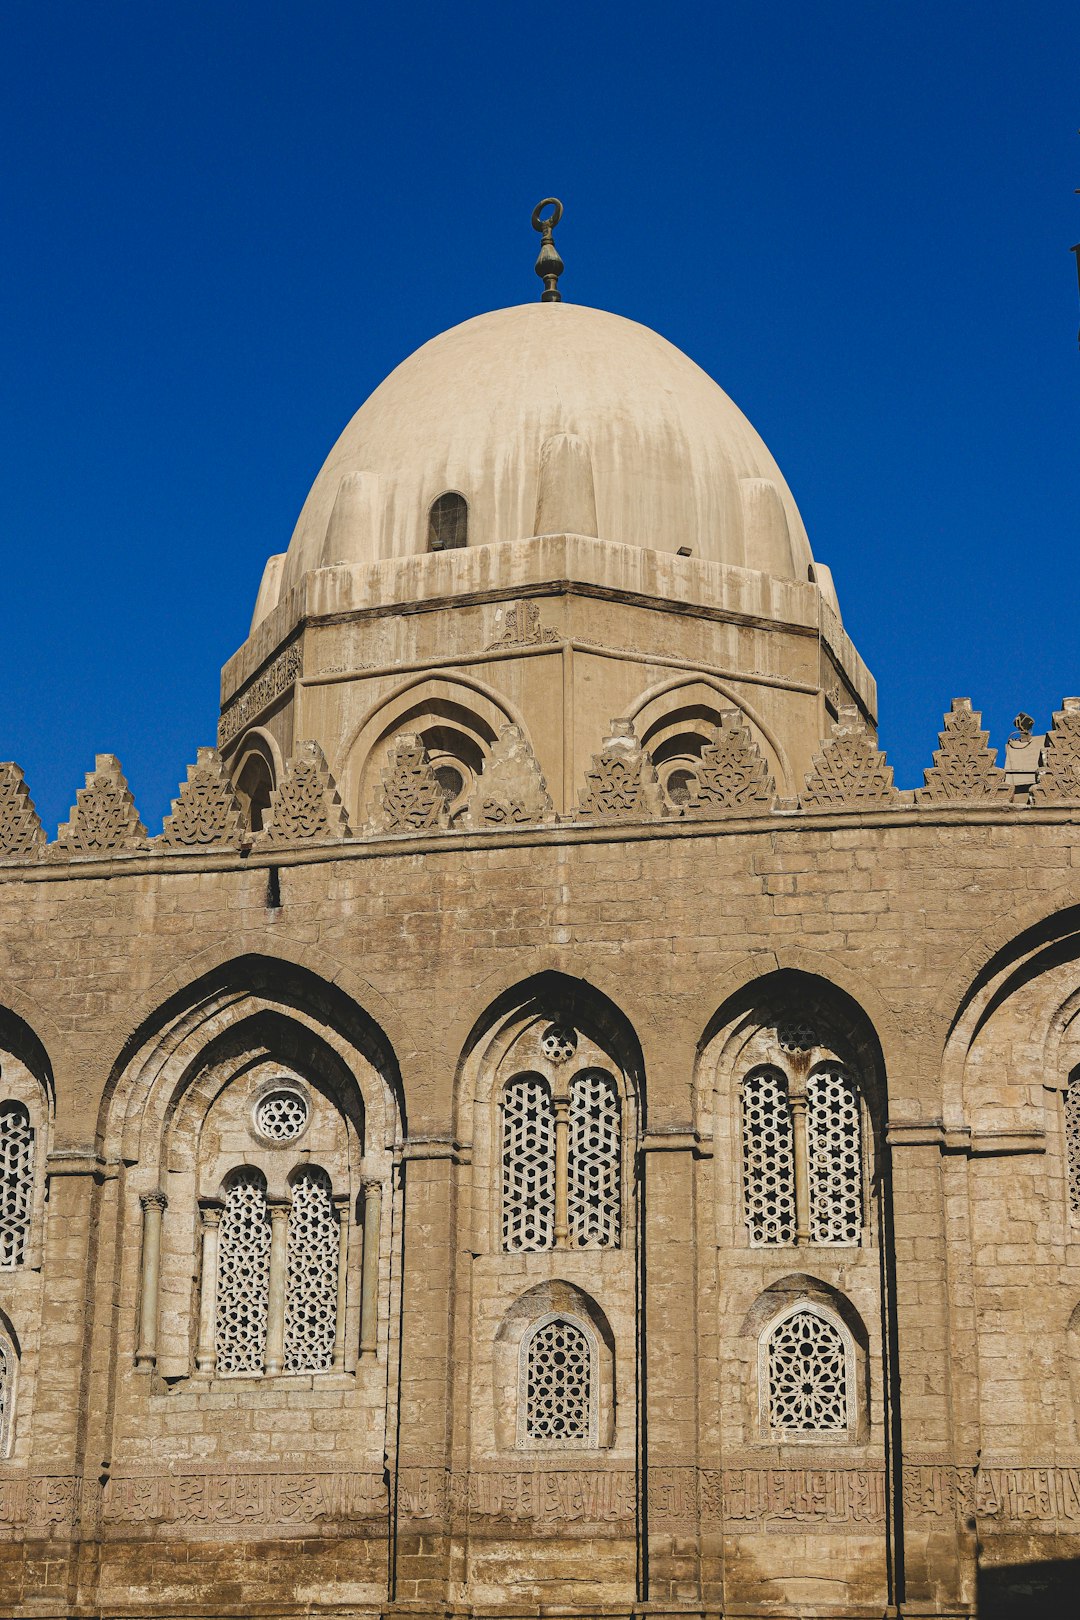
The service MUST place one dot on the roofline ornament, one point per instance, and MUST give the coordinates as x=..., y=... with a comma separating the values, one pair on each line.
x=549, y=267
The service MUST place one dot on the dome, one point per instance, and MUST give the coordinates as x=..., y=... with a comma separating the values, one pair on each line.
x=551, y=418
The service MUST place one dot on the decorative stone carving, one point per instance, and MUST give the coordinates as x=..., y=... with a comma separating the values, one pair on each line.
x=775, y=1498
x=207, y=811
x=512, y=791
x=850, y=771
x=964, y=770
x=410, y=798
x=306, y=803
x=103, y=818
x=249, y=704
x=1059, y=779
x=733, y=774
x=622, y=781
x=518, y=624
x=22, y=837
x=257, y=1500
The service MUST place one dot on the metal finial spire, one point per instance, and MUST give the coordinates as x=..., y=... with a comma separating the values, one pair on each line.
x=549, y=267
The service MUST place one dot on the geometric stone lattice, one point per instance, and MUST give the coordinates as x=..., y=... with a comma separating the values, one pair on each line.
x=1072, y=1144
x=312, y=1271
x=768, y=1159
x=850, y=771
x=733, y=773
x=207, y=811
x=558, y=1394
x=243, y=1278
x=306, y=803
x=834, y=1147
x=281, y=1116
x=528, y=1166
x=593, y=1176
x=21, y=832
x=807, y=1376
x=16, y=1184
x=622, y=780
x=1059, y=779
x=963, y=768
x=103, y=818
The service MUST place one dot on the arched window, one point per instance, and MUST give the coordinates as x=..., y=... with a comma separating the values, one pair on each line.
x=768, y=1158
x=557, y=1398
x=1072, y=1143
x=448, y=522
x=834, y=1150
x=528, y=1165
x=593, y=1199
x=8, y=1368
x=243, y=1280
x=311, y=1274
x=807, y=1374
x=16, y=1182
x=790, y=1118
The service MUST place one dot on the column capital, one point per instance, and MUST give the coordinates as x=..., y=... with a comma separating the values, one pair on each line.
x=153, y=1200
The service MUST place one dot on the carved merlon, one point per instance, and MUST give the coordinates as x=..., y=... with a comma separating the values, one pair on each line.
x=850, y=772
x=733, y=774
x=621, y=783
x=410, y=798
x=305, y=804
x=512, y=790
x=964, y=770
x=207, y=811
x=22, y=837
x=103, y=820
x=1059, y=779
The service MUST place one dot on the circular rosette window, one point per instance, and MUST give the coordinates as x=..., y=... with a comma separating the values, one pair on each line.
x=281, y=1114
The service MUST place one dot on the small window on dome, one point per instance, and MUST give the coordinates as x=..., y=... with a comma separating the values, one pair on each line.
x=448, y=522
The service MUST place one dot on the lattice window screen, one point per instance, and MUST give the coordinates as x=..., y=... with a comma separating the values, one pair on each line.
x=834, y=1145
x=558, y=1383
x=243, y=1275
x=807, y=1374
x=7, y=1378
x=16, y=1182
x=594, y=1168
x=1072, y=1143
x=311, y=1271
x=768, y=1159
x=528, y=1171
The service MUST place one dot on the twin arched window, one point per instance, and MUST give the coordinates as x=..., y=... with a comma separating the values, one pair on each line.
x=561, y=1164
x=803, y=1177
x=16, y=1182
x=277, y=1276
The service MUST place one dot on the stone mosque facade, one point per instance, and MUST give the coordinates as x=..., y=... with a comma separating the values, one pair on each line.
x=547, y=1127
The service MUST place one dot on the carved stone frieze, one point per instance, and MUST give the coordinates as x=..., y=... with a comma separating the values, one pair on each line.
x=262, y=1500
x=964, y=770
x=512, y=790
x=787, y=1498
x=22, y=837
x=410, y=798
x=518, y=625
x=103, y=820
x=246, y=707
x=1045, y=1497
x=733, y=774
x=1059, y=779
x=207, y=811
x=306, y=803
x=850, y=772
x=621, y=783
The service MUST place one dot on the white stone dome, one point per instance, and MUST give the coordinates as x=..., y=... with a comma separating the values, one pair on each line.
x=674, y=462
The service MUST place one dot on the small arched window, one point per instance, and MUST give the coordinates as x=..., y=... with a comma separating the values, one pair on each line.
x=243, y=1280
x=1072, y=1143
x=8, y=1368
x=807, y=1374
x=448, y=522
x=557, y=1397
x=312, y=1274
x=16, y=1182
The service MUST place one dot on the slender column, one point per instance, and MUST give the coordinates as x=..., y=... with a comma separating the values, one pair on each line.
x=802, y=1164
x=206, y=1354
x=342, y=1208
x=369, y=1289
x=153, y=1206
x=275, y=1318
x=562, y=1159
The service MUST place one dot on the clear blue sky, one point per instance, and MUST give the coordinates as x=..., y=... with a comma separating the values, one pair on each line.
x=223, y=224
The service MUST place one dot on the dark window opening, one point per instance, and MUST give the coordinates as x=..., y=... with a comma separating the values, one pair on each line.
x=448, y=522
